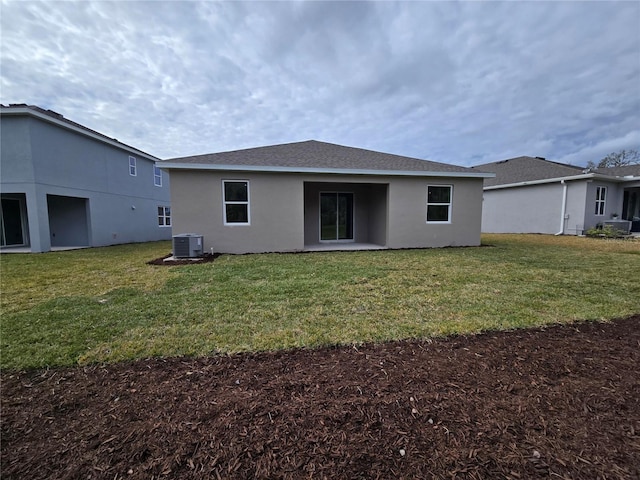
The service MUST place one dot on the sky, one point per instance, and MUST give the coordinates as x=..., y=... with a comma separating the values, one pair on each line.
x=455, y=82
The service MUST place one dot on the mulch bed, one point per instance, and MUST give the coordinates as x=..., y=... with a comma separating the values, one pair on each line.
x=168, y=260
x=558, y=402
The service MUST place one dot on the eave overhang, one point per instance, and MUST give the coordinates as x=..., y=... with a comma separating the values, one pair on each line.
x=585, y=176
x=26, y=111
x=167, y=165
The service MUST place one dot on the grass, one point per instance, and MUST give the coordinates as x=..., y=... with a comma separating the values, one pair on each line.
x=107, y=304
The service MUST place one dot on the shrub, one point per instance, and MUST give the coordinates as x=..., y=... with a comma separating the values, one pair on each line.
x=606, y=231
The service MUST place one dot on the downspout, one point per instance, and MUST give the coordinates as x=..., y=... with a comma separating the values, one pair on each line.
x=564, y=207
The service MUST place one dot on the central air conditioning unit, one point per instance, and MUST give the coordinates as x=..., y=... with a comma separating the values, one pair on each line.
x=187, y=245
x=622, y=225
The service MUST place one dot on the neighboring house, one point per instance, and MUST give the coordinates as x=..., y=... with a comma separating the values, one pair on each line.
x=534, y=195
x=313, y=195
x=64, y=185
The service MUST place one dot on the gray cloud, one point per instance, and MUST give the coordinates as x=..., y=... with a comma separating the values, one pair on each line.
x=462, y=83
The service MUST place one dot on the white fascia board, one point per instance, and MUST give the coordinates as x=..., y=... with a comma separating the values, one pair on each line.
x=331, y=171
x=548, y=180
x=61, y=123
x=585, y=176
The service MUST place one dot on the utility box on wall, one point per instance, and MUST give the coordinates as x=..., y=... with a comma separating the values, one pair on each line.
x=187, y=245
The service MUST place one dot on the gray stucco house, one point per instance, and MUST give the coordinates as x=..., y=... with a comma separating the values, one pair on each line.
x=65, y=185
x=313, y=195
x=535, y=195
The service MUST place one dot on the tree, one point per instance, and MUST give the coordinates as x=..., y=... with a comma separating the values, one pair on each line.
x=617, y=159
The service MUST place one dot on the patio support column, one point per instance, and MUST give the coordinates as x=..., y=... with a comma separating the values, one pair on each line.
x=38, y=218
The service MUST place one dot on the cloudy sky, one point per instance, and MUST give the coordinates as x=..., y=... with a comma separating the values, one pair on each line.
x=463, y=83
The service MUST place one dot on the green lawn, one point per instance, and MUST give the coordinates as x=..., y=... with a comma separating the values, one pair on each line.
x=107, y=304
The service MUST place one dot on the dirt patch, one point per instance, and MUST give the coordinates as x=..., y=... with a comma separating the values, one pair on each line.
x=560, y=402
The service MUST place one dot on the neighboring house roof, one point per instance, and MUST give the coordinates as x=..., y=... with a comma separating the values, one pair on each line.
x=526, y=169
x=58, y=119
x=319, y=157
x=625, y=171
x=521, y=171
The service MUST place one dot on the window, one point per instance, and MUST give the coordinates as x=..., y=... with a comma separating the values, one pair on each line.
x=439, y=203
x=164, y=216
x=132, y=166
x=157, y=176
x=236, y=202
x=601, y=197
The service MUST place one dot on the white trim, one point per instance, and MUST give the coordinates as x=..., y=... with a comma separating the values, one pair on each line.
x=164, y=216
x=225, y=203
x=336, y=171
x=134, y=165
x=596, y=176
x=450, y=205
x=601, y=201
x=157, y=176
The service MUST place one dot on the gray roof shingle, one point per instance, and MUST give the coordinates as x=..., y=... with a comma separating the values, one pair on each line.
x=525, y=169
x=633, y=170
x=319, y=155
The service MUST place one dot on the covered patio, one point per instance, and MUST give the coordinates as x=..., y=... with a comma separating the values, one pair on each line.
x=345, y=216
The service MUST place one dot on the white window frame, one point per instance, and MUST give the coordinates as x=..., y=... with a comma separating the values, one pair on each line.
x=449, y=205
x=236, y=202
x=133, y=170
x=157, y=176
x=601, y=201
x=164, y=216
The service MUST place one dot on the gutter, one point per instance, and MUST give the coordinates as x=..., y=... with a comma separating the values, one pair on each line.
x=595, y=176
x=564, y=207
x=168, y=165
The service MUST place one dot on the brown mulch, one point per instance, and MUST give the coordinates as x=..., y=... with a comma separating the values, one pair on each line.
x=558, y=402
x=168, y=260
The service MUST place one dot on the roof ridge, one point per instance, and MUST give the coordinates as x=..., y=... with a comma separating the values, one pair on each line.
x=319, y=142
x=316, y=154
x=522, y=157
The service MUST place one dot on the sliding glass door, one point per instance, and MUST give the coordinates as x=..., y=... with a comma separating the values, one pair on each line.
x=336, y=216
x=11, y=226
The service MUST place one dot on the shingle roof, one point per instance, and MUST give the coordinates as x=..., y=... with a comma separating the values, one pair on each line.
x=633, y=170
x=313, y=154
x=525, y=169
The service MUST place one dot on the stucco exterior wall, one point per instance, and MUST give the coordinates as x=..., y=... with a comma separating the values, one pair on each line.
x=389, y=211
x=369, y=205
x=613, y=203
x=276, y=211
x=15, y=151
x=527, y=209
x=575, y=208
x=538, y=208
x=48, y=163
x=408, y=227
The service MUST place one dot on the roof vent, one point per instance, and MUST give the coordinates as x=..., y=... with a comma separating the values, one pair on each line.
x=54, y=114
x=541, y=158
